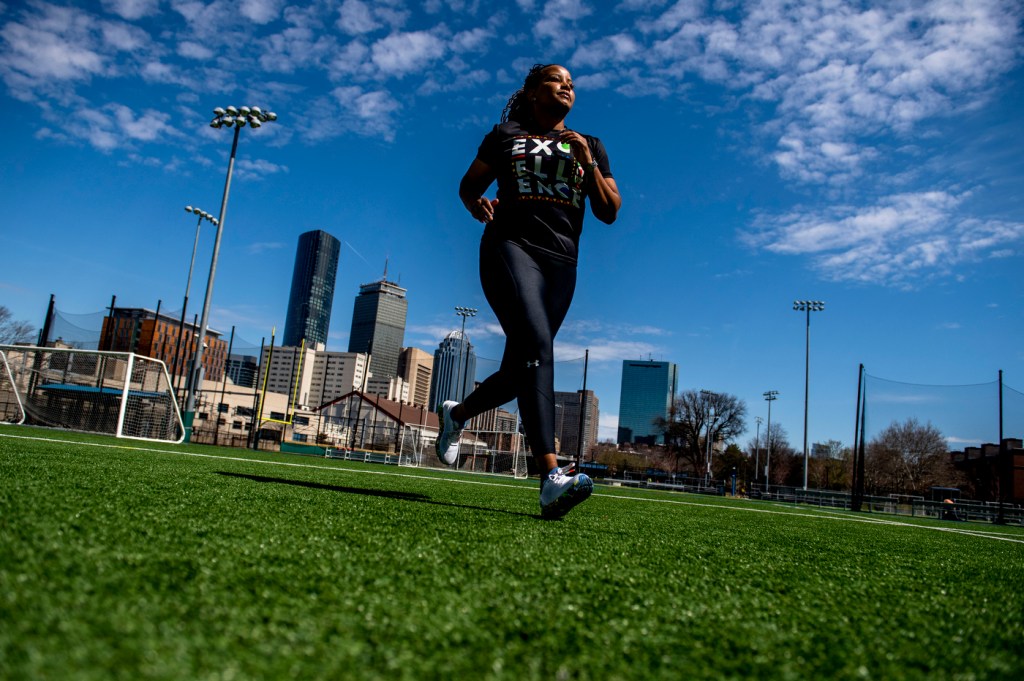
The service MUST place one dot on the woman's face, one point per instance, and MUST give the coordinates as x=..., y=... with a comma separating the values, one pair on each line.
x=555, y=92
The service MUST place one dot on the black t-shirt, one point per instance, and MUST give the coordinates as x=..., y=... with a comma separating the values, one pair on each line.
x=541, y=188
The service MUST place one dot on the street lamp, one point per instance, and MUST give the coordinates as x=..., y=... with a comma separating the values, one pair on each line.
x=462, y=312
x=712, y=418
x=236, y=118
x=203, y=215
x=807, y=306
x=770, y=396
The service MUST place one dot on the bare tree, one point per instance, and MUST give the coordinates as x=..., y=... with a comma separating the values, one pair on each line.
x=12, y=331
x=686, y=429
x=908, y=458
x=782, y=464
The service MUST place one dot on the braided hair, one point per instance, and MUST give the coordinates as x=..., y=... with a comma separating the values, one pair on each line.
x=518, y=107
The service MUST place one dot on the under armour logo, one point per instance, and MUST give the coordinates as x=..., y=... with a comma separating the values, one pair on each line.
x=533, y=365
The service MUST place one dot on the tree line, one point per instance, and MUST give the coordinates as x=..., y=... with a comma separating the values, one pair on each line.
x=906, y=458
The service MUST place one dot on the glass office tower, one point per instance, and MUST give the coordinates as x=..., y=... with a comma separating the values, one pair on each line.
x=454, y=370
x=378, y=325
x=312, y=294
x=647, y=392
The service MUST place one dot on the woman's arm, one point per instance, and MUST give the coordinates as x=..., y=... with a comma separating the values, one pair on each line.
x=603, y=192
x=604, y=196
x=474, y=183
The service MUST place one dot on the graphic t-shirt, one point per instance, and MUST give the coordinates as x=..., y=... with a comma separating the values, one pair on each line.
x=541, y=188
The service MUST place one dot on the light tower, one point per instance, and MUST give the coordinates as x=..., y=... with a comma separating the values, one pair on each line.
x=770, y=396
x=807, y=306
x=236, y=118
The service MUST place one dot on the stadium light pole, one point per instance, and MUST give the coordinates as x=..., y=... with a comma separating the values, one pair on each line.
x=757, y=446
x=236, y=118
x=462, y=312
x=807, y=306
x=203, y=215
x=770, y=396
x=712, y=417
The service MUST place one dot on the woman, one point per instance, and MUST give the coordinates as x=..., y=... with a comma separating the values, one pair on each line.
x=545, y=173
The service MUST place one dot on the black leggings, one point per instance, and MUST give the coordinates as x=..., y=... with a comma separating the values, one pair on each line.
x=530, y=295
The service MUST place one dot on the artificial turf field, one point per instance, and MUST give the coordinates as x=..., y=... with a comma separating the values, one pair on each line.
x=121, y=559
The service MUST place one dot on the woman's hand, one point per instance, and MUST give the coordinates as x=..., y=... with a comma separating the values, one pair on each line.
x=474, y=183
x=602, y=191
x=580, y=147
x=482, y=208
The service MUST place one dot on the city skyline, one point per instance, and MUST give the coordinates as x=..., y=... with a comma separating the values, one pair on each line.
x=866, y=157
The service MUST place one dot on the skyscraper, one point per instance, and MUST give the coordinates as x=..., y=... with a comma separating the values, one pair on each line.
x=454, y=370
x=312, y=294
x=567, y=422
x=647, y=392
x=378, y=325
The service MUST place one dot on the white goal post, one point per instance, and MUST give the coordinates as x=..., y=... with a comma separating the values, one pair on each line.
x=480, y=451
x=93, y=391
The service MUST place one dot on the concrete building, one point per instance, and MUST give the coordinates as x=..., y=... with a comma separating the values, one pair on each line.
x=416, y=367
x=314, y=376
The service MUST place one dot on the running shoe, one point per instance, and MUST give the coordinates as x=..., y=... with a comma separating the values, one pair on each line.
x=561, y=491
x=447, y=443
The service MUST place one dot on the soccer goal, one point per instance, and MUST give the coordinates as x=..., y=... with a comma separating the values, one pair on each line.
x=480, y=451
x=116, y=393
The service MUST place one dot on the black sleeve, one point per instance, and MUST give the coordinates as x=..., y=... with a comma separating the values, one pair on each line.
x=597, y=150
x=490, y=149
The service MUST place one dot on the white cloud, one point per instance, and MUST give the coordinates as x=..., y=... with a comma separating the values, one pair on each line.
x=837, y=75
x=260, y=247
x=900, y=241
x=57, y=44
x=403, y=53
x=296, y=48
x=193, y=50
x=473, y=40
x=131, y=9
x=368, y=113
x=557, y=21
x=260, y=11
x=355, y=18
x=124, y=37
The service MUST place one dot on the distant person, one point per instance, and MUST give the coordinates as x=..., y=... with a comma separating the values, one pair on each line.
x=545, y=173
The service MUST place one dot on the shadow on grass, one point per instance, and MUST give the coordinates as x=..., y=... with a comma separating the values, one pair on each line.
x=386, y=494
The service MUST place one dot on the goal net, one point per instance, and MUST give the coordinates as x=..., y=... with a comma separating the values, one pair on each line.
x=495, y=452
x=116, y=393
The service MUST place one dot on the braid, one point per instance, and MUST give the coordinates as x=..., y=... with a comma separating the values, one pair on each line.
x=518, y=108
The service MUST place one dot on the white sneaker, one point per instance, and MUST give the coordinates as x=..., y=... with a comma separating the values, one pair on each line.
x=561, y=491
x=447, y=443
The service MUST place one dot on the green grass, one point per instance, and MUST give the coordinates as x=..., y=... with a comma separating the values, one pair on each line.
x=119, y=561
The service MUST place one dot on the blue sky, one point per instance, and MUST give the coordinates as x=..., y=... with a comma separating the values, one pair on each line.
x=864, y=154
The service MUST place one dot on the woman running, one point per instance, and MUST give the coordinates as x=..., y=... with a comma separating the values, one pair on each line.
x=545, y=174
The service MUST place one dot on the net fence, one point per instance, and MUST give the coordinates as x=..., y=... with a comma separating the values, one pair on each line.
x=965, y=415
